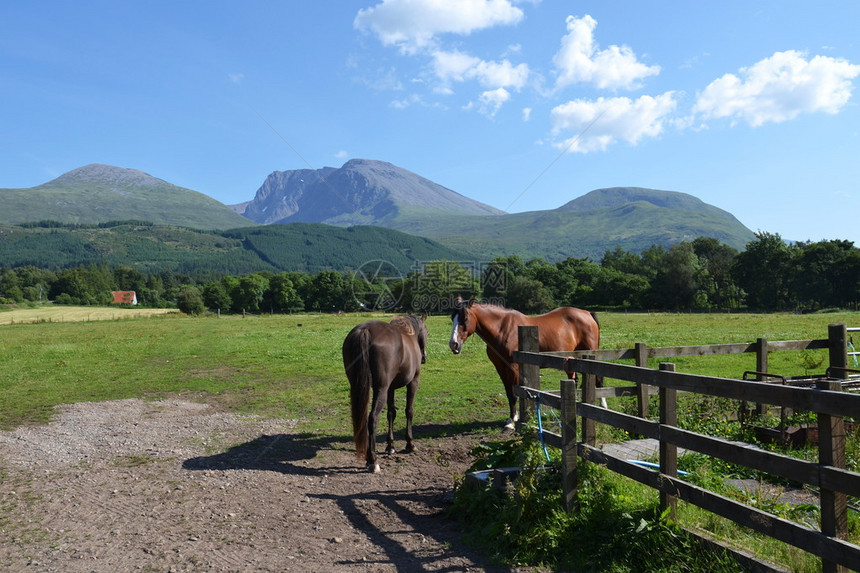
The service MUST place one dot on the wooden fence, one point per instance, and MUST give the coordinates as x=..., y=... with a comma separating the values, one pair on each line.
x=826, y=398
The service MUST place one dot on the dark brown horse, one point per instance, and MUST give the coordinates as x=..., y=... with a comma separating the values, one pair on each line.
x=380, y=357
x=564, y=328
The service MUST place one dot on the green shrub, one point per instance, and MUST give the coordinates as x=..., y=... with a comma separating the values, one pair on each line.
x=617, y=527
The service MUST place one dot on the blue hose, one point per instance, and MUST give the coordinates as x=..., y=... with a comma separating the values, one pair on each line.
x=655, y=466
x=540, y=427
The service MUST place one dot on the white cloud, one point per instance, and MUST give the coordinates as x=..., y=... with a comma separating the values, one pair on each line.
x=580, y=60
x=453, y=66
x=236, y=78
x=779, y=88
x=491, y=101
x=342, y=154
x=594, y=125
x=527, y=113
x=459, y=67
x=413, y=25
x=414, y=100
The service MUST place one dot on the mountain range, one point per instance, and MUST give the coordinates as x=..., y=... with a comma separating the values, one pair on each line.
x=380, y=194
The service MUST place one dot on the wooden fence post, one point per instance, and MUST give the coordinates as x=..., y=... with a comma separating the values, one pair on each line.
x=837, y=335
x=569, y=475
x=529, y=373
x=831, y=444
x=668, y=451
x=831, y=452
x=641, y=350
x=761, y=355
x=589, y=396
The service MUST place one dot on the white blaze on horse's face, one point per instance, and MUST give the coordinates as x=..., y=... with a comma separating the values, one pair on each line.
x=455, y=343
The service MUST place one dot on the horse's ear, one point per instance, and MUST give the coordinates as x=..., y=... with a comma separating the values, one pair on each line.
x=423, y=317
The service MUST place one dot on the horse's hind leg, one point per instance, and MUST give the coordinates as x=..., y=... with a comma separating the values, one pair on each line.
x=392, y=414
x=372, y=423
x=411, y=390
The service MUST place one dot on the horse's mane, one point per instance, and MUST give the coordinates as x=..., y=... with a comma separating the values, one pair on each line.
x=460, y=307
x=406, y=324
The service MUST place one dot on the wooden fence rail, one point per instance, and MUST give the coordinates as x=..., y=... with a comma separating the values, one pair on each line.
x=826, y=398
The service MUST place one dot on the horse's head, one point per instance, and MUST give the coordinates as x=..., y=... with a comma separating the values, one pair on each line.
x=464, y=324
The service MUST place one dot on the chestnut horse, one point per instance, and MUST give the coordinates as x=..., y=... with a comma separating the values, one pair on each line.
x=380, y=357
x=564, y=328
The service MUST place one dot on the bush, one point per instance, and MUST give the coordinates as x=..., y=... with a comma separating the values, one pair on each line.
x=190, y=301
x=616, y=527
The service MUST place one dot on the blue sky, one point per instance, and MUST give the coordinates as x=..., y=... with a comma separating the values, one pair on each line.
x=749, y=105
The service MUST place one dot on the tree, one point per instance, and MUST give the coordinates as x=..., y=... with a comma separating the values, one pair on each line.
x=281, y=296
x=826, y=274
x=190, y=301
x=578, y=277
x=554, y=282
x=717, y=259
x=73, y=285
x=763, y=271
x=676, y=285
x=529, y=296
x=614, y=288
x=10, y=286
x=329, y=292
x=497, y=276
x=249, y=292
x=435, y=288
x=216, y=297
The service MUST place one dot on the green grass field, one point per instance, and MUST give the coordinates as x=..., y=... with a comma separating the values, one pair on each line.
x=290, y=365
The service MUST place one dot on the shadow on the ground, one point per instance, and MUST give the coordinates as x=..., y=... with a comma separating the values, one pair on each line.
x=288, y=453
x=366, y=510
x=283, y=453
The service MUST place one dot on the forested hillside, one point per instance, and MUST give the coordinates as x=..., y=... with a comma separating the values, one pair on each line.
x=153, y=248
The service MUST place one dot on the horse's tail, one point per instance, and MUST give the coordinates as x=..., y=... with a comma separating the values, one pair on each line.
x=356, y=353
x=597, y=322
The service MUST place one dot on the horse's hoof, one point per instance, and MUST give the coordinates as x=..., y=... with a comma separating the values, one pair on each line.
x=409, y=449
x=374, y=469
x=390, y=450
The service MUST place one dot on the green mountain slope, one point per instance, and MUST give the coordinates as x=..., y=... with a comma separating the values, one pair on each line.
x=631, y=218
x=99, y=193
x=153, y=248
x=314, y=246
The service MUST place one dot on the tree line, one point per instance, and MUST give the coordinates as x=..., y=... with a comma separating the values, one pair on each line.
x=699, y=275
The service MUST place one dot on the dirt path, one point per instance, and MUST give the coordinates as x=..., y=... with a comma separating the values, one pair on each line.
x=177, y=486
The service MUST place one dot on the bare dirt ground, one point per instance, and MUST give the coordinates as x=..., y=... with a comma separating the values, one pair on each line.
x=175, y=485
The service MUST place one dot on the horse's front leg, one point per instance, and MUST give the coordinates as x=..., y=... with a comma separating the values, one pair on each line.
x=411, y=391
x=392, y=414
x=512, y=380
x=509, y=373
